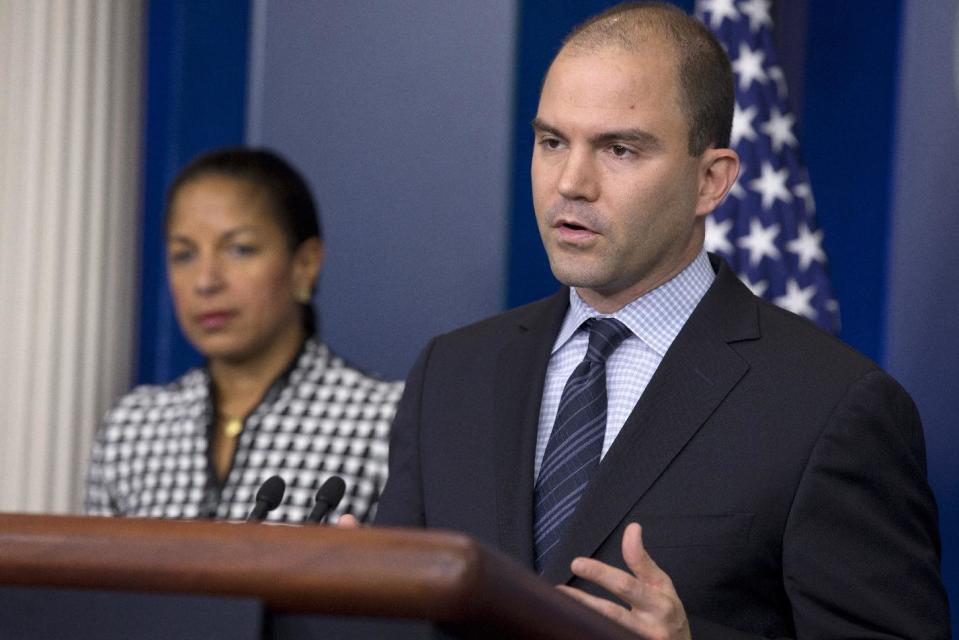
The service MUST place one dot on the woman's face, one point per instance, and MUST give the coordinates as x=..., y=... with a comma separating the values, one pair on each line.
x=235, y=280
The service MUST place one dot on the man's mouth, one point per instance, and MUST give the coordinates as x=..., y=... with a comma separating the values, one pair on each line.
x=575, y=223
x=573, y=232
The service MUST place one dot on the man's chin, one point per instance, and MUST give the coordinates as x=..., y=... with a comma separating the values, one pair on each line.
x=578, y=274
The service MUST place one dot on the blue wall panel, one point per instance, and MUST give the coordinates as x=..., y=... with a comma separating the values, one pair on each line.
x=923, y=334
x=399, y=118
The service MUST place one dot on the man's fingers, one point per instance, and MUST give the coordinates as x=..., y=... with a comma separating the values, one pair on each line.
x=637, y=559
x=632, y=620
x=618, y=582
x=347, y=521
x=654, y=608
x=603, y=606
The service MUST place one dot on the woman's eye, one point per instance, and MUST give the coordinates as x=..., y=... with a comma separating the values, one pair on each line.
x=180, y=257
x=242, y=250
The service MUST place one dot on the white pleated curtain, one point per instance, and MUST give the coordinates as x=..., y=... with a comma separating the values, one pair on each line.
x=70, y=123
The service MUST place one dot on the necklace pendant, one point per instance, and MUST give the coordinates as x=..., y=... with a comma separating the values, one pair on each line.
x=233, y=427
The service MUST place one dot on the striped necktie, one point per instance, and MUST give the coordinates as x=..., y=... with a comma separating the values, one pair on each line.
x=576, y=442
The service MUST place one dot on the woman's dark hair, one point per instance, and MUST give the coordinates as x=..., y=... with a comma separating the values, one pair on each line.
x=291, y=203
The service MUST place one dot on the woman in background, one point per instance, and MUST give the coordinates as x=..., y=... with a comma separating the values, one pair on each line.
x=244, y=252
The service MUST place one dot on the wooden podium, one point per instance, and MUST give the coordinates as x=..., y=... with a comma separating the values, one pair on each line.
x=82, y=577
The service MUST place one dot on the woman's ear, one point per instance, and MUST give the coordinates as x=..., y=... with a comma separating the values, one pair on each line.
x=308, y=263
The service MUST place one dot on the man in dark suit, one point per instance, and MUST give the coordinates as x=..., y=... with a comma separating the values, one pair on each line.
x=777, y=476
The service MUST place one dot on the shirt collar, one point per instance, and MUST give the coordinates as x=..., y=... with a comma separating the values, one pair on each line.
x=657, y=316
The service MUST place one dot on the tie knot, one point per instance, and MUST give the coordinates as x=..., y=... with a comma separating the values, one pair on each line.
x=605, y=334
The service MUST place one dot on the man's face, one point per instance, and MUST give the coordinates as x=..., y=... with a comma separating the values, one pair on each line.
x=614, y=187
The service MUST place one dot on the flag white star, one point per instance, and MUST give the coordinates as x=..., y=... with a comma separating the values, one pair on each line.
x=718, y=11
x=760, y=242
x=771, y=184
x=749, y=66
x=797, y=299
x=808, y=247
x=743, y=124
x=758, y=12
x=804, y=192
x=776, y=75
x=758, y=288
x=717, y=235
x=779, y=128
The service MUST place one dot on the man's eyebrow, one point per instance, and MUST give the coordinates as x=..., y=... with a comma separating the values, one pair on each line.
x=643, y=138
x=539, y=125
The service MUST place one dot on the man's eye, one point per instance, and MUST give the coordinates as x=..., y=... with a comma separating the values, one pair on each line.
x=620, y=151
x=550, y=143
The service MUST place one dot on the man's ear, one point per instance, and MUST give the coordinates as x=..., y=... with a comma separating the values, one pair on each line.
x=718, y=170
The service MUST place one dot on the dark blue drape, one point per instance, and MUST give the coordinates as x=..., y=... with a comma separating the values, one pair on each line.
x=196, y=78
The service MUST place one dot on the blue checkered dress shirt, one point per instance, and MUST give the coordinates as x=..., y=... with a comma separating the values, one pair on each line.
x=654, y=318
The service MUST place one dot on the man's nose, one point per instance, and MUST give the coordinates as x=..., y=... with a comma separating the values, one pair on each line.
x=578, y=180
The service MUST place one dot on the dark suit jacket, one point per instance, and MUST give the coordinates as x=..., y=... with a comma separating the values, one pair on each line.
x=779, y=476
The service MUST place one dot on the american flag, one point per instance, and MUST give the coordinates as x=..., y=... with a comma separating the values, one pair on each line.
x=767, y=228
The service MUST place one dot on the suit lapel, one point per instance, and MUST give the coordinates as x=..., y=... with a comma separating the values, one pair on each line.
x=521, y=372
x=697, y=373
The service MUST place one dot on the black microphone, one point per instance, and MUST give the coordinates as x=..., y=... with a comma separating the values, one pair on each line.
x=268, y=498
x=327, y=497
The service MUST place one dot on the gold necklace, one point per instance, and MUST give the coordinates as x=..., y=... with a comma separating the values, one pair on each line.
x=233, y=427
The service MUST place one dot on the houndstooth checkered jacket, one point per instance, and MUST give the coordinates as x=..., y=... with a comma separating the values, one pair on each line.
x=321, y=418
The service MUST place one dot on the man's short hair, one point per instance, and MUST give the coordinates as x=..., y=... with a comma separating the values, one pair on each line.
x=705, y=74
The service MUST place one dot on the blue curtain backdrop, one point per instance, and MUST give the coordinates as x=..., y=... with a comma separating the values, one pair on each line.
x=842, y=62
x=195, y=99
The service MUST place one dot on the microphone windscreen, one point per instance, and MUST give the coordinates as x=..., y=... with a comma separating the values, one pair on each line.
x=331, y=492
x=271, y=492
